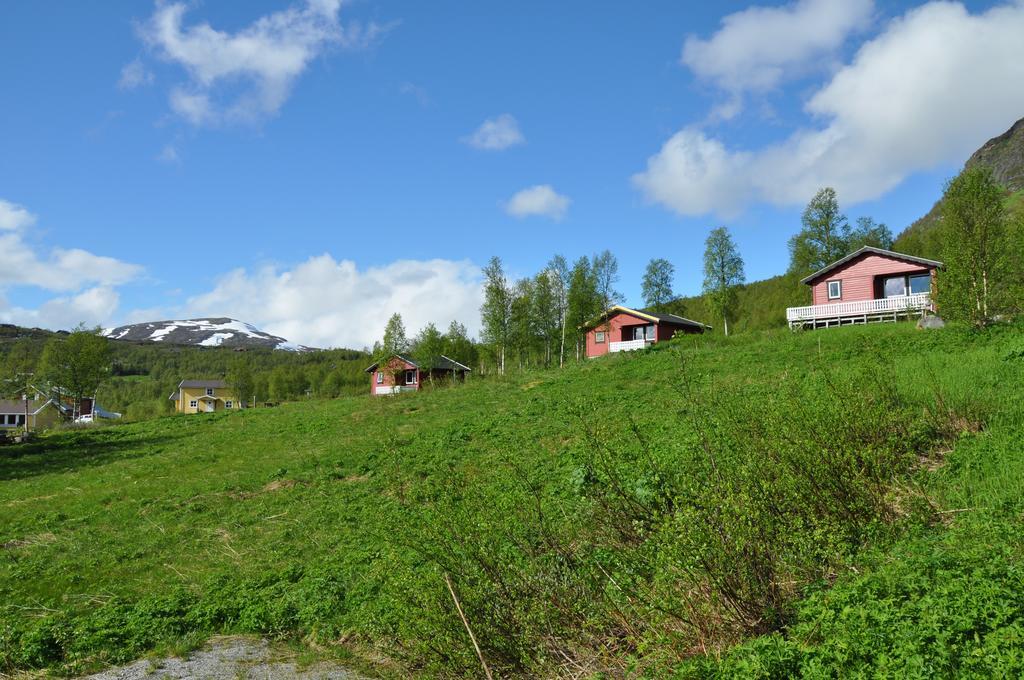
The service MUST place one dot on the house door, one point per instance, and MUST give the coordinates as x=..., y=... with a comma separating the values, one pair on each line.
x=209, y=407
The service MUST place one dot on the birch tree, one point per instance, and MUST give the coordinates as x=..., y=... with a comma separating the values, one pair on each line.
x=496, y=311
x=975, y=284
x=723, y=274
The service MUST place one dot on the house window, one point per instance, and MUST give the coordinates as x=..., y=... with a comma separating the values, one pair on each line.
x=193, y=404
x=21, y=419
x=380, y=377
x=410, y=377
x=599, y=337
x=209, y=391
x=227, y=404
x=894, y=286
x=920, y=284
x=835, y=290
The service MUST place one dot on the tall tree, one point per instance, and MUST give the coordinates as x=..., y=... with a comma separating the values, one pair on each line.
x=558, y=270
x=869, y=233
x=547, y=312
x=582, y=300
x=76, y=365
x=496, y=311
x=975, y=285
x=241, y=381
x=458, y=346
x=656, y=286
x=723, y=274
x=825, y=236
x=605, y=269
x=428, y=346
x=395, y=340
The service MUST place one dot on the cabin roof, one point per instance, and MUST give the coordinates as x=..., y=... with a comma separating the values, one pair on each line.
x=650, y=316
x=17, y=406
x=203, y=383
x=443, y=363
x=871, y=250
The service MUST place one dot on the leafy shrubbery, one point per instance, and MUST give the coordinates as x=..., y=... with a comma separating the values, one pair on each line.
x=759, y=506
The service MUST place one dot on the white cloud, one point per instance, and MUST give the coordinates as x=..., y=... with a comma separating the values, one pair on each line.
x=324, y=302
x=540, y=200
x=13, y=216
x=85, y=280
x=133, y=75
x=933, y=86
x=495, y=134
x=247, y=75
x=92, y=307
x=758, y=48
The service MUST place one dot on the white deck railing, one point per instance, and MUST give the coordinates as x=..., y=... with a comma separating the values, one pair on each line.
x=629, y=345
x=901, y=303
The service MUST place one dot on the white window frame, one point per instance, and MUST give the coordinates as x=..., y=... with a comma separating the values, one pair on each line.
x=839, y=289
x=413, y=374
x=209, y=391
x=599, y=337
x=380, y=377
x=193, y=403
x=228, y=403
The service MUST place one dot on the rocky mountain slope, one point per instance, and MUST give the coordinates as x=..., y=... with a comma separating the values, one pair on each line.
x=215, y=332
x=1005, y=156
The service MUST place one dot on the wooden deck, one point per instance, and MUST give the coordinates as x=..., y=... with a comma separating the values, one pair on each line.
x=629, y=345
x=862, y=311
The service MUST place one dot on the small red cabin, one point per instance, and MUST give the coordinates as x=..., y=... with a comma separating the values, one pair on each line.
x=622, y=329
x=870, y=284
x=401, y=374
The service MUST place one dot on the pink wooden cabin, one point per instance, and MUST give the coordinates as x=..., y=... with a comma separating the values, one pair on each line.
x=623, y=329
x=870, y=284
x=400, y=374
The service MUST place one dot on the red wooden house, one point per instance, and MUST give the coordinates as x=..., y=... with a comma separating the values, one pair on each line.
x=401, y=374
x=869, y=284
x=622, y=329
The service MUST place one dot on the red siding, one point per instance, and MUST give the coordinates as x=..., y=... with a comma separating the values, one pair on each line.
x=394, y=365
x=613, y=332
x=858, y=277
x=621, y=323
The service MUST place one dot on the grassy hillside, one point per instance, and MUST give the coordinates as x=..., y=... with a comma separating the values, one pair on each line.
x=770, y=505
x=759, y=305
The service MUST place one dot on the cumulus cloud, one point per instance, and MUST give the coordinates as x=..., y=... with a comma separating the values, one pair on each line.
x=758, y=48
x=247, y=75
x=495, y=134
x=92, y=307
x=931, y=87
x=540, y=200
x=134, y=74
x=324, y=302
x=13, y=216
x=86, y=281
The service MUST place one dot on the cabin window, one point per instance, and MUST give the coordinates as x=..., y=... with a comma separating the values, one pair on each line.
x=209, y=391
x=920, y=284
x=835, y=290
x=380, y=377
x=410, y=377
x=21, y=420
x=599, y=337
x=228, y=404
x=895, y=286
x=193, y=404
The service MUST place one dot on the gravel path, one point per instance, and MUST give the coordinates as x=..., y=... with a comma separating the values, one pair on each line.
x=228, y=658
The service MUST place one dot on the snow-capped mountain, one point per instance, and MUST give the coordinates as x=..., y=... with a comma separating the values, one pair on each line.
x=218, y=332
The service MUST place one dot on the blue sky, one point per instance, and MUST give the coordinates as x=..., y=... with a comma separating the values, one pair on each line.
x=312, y=167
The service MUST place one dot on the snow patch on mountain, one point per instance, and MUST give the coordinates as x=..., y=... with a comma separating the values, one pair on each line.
x=211, y=332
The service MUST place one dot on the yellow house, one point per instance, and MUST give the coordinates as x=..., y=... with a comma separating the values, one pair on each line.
x=204, y=396
x=39, y=413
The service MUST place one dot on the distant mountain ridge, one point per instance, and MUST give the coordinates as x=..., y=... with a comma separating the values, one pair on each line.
x=1004, y=154
x=207, y=332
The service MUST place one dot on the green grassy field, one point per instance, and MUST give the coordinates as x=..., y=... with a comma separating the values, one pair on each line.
x=827, y=504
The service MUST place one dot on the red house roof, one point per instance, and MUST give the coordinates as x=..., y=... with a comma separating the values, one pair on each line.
x=870, y=249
